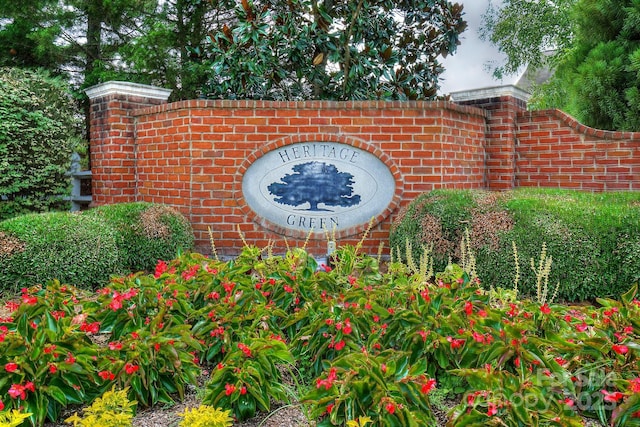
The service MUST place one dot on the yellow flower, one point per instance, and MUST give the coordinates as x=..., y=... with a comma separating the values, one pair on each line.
x=12, y=418
x=359, y=422
x=205, y=416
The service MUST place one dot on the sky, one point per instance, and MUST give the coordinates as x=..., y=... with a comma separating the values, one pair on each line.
x=467, y=68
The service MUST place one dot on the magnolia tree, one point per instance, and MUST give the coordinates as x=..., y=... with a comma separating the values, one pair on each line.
x=327, y=49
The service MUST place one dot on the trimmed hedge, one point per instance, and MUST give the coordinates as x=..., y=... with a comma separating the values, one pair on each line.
x=75, y=249
x=594, y=239
x=146, y=232
x=84, y=249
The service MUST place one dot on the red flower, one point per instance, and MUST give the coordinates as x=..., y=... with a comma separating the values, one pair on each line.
x=130, y=368
x=58, y=314
x=620, y=348
x=478, y=337
x=17, y=391
x=11, y=367
x=428, y=386
x=70, y=359
x=329, y=408
x=614, y=397
x=243, y=390
x=191, y=273
x=1, y=406
x=106, y=375
x=245, y=349
x=328, y=382
x=12, y=306
x=455, y=342
x=53, y=369
x=492, y=410
x=347, y=327
x=161, y=267
x=390, y=407
x=115, y=345
x=545, y=309
x=635, y=385
x=28, y=299
x=91, y=328
x=229, y=389
x=468, y=308
x=581, y=327
x=48, y=349
x=340, y=345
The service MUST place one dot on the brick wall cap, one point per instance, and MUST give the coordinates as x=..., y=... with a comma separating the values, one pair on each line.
x=126, y=88
x=574, y=124
x=310, y=105
x=489, y=93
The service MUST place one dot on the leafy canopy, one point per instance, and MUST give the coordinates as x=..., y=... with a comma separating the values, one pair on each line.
x=310, y=49
x=596, y=62
x=93, y=41
x=38, y=132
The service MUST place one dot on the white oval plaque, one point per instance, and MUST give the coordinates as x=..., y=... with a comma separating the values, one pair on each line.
x=318, y=186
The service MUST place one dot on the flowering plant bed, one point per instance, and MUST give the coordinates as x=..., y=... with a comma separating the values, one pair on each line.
x=354, y=344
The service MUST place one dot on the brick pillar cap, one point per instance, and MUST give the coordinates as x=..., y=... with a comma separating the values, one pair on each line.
x=126, y=88
x=490, y=92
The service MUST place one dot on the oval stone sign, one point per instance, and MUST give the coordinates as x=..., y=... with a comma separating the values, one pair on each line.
x=318, y=185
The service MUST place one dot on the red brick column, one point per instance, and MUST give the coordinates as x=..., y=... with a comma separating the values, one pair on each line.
x=112, y=137
x=503, y=104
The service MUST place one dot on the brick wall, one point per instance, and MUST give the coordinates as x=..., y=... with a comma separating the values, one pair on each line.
x=192, y=154
x=556, y=151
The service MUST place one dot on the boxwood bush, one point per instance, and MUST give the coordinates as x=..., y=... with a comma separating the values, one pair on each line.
x=146, y=232
x=86, y=248
x=73, y=248
x=593, y=238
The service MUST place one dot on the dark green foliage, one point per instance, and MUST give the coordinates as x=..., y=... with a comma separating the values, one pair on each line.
x=38, y=132
x=73, y=248
x=600, y=75
x=367, y=49
x=596, y=57
x=86, y=248
x=93, y=41
x=592, y=238
x=146, y=232
x=524, y=29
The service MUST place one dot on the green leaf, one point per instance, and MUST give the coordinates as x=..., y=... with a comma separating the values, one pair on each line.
x=56, y=393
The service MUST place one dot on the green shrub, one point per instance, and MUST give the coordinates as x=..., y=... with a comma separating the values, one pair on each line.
x=146, y=232
x=86, y=248
x=39, y=130
x=78, y=249
x=592, y=238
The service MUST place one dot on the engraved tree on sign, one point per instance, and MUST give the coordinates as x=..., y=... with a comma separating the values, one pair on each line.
x=315, y=183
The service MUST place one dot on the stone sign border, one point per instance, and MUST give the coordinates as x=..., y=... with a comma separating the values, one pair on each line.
x=305, y=138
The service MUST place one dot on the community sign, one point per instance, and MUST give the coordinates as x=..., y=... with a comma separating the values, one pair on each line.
x=318, y=186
